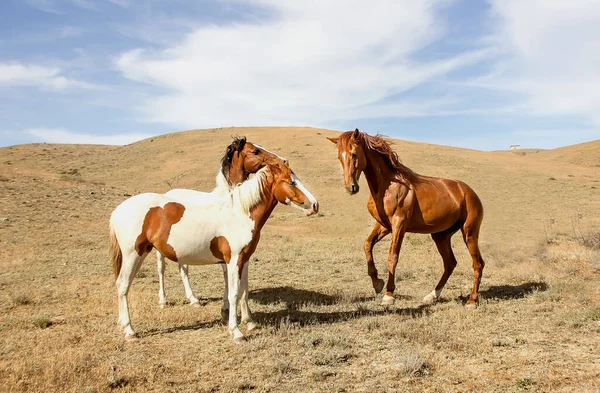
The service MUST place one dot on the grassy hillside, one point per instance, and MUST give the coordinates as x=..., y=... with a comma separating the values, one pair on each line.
x=322, y=328
x=583, y=154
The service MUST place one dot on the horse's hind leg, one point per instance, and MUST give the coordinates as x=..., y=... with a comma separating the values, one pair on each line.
x=378, y=233
x=470, y=231
x=131, y=264
x=183, y=273
x=443, y=242
x=160, y=267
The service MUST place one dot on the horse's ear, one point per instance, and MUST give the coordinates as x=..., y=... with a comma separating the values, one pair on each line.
x=334, y=140
x=356, y=134
x=242, y=143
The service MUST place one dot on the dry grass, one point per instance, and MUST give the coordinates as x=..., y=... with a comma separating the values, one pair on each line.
x=322, y=328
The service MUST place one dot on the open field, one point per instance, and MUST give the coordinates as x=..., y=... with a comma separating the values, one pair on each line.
x=537, y=327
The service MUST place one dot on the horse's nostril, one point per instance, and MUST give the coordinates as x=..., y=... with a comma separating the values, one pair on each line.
x=354, y=188
x=315, y=206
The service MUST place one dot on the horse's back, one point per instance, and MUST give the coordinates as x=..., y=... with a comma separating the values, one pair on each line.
x=440, y=203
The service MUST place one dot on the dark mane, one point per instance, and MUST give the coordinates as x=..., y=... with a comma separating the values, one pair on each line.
x=237, y=145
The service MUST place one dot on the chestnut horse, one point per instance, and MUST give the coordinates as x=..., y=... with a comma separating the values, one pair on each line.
x=226, y=229
x=403, y=201
x=241, y=158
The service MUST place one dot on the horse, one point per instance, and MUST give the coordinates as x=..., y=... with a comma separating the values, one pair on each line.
x=241, y=159
x=224, y=230
x=403, y=201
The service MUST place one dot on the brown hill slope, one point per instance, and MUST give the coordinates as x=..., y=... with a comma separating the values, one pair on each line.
x=323, y=329
x=583, y=154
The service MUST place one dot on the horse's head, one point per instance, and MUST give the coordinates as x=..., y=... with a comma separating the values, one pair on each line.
x=242, y=158
x=289, y=190
x=352, y=156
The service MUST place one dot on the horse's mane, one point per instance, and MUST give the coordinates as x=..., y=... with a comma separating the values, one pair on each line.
x=248, y=193
x=380, y=145
x=235, y=146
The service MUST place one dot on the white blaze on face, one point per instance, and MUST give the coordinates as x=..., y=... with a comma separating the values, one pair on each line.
x=344, y=155
x=301, y=187
x=260, y=147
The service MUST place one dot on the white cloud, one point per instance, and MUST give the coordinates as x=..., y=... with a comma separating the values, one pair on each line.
x=15, y=74
x=60, y=135
x=312, y=63
x=550, y=56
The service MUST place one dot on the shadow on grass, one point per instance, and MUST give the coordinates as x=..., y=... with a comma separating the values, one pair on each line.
x=183, y=328
x=303, y=318
x=293, y=298
x=507, y=292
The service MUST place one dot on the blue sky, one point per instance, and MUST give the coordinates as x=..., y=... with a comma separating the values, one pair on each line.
x=466, y=73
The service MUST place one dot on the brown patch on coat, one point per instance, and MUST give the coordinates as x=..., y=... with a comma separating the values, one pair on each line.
x=219, y=247
x=156, y=229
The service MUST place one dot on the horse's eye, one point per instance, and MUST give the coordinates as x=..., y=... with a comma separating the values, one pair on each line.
x=256, y=152
x=353, y=155
x=292, y=183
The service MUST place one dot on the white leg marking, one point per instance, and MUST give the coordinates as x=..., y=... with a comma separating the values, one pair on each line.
x=234, y=289
x=387, y=300
x=432, y=297
x=131, y=264
x=183, y=273
x=245, y=308
x=160, y=266
x=225, y=306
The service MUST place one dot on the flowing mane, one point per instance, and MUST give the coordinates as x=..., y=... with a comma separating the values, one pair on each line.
x=237, y=145
x=247, y=194
x=379, y=145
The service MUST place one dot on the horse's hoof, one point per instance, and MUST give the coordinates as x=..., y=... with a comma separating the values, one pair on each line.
x=379, y=286
x=195, y=303
x=239, y=340
x=131, y=337
x=251, y=326
x=162, y=305
x=430, y=299
x=387, y=300
x=470, y=306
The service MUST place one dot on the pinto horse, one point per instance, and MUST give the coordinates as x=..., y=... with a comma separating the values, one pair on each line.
x=241, y=158
x=224, y=230
x=403, y=201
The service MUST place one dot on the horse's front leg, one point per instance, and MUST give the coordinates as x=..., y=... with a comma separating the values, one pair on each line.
x=225, y=306
x=378, y=233
x=234, y=290
x=398, y=231
x=244, y=308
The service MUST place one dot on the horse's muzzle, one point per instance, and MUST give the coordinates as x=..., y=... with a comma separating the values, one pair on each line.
x=312, y=209
x=352, y=189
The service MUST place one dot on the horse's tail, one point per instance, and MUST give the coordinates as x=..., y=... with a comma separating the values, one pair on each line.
x=115, y=254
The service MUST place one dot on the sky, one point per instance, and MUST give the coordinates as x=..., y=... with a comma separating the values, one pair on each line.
x=466, y=73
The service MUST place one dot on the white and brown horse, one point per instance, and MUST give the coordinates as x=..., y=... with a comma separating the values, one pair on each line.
x=227, y=229
x=241, y=159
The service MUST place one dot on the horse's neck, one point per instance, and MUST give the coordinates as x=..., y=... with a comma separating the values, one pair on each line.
x=261, y=212
x=379, y=173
